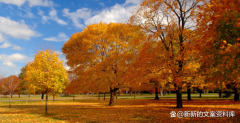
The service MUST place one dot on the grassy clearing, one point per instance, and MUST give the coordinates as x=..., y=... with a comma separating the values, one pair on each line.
x=122, y=96
x=125, y=110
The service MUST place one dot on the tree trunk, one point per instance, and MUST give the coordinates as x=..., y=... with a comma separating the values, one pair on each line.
x=141, y=93
x=189, y=93
x=112, y=92
x=42, y=95
x=131, y=93
x=236, y=94
x=161, y=92
x=156, y=93
x=134, y=94
x=220, y=94
x=104, y=96
x=46, y=103
x=26, y=98
x=179, y=97
x=169, y=92
x=10, y=99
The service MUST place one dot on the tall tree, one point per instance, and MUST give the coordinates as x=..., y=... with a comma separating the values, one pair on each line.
x=46, y=74
x=219, y=42
x=100, y=53
x=167, y=22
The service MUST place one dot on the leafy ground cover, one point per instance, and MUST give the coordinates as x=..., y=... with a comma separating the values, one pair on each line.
x=125, y=110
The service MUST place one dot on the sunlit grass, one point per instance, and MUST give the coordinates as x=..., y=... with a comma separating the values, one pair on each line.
x=125, y=110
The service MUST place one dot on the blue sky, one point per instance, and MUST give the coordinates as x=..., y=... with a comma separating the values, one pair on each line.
x=28, y=25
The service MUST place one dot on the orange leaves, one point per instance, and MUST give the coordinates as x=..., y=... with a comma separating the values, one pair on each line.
x=9, y=84
x=100, y=54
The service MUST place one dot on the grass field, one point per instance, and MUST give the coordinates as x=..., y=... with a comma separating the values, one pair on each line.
x=122, y=96
x=125, y=110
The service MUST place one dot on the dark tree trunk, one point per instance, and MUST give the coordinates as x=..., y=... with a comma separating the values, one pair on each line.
x=134, y=94
x=220, y=94
x=169, y=92
x=11, y=95
x=42, y=95
x=179, y=97
x=141, y=93
x=189, y=93
x=236, y=94
x=112, y=94
x=131, y=93
x=156, y=93
x=46, y=103
x=104, y=96
x=200, y=94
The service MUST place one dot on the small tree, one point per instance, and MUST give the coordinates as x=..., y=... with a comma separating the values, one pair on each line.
x=9, y=85
x=46, y=74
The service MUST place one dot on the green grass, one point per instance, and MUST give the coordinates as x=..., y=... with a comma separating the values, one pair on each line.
x=122, y=96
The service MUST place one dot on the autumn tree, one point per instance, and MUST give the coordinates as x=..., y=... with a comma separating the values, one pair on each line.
x=167, y=21
x=46, y=74
x=218, y=45
x=100, y=53
x=9, y=85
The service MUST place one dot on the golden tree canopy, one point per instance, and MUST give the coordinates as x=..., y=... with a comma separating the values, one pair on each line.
x=46, y=73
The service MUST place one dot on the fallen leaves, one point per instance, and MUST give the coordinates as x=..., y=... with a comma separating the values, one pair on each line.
x=125, y=110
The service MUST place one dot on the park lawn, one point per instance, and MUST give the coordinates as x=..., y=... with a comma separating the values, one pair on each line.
x=125, y=110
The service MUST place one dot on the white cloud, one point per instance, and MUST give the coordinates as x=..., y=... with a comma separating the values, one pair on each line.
x=58, y=52
x=65, y=63
x=102, y=4
x=82, y=13
x=134, y=2
x=9, y=64
x=1, y=38
x=32, y=3
x=15, y=29
x=117, y=13
x=61, y=37
x=15, y=47
x=29, y=14
x=9, y=59
x=52, y=16
x=5, y=45
x=14, y=2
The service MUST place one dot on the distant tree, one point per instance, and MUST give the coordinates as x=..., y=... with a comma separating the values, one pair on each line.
x=9, y=85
